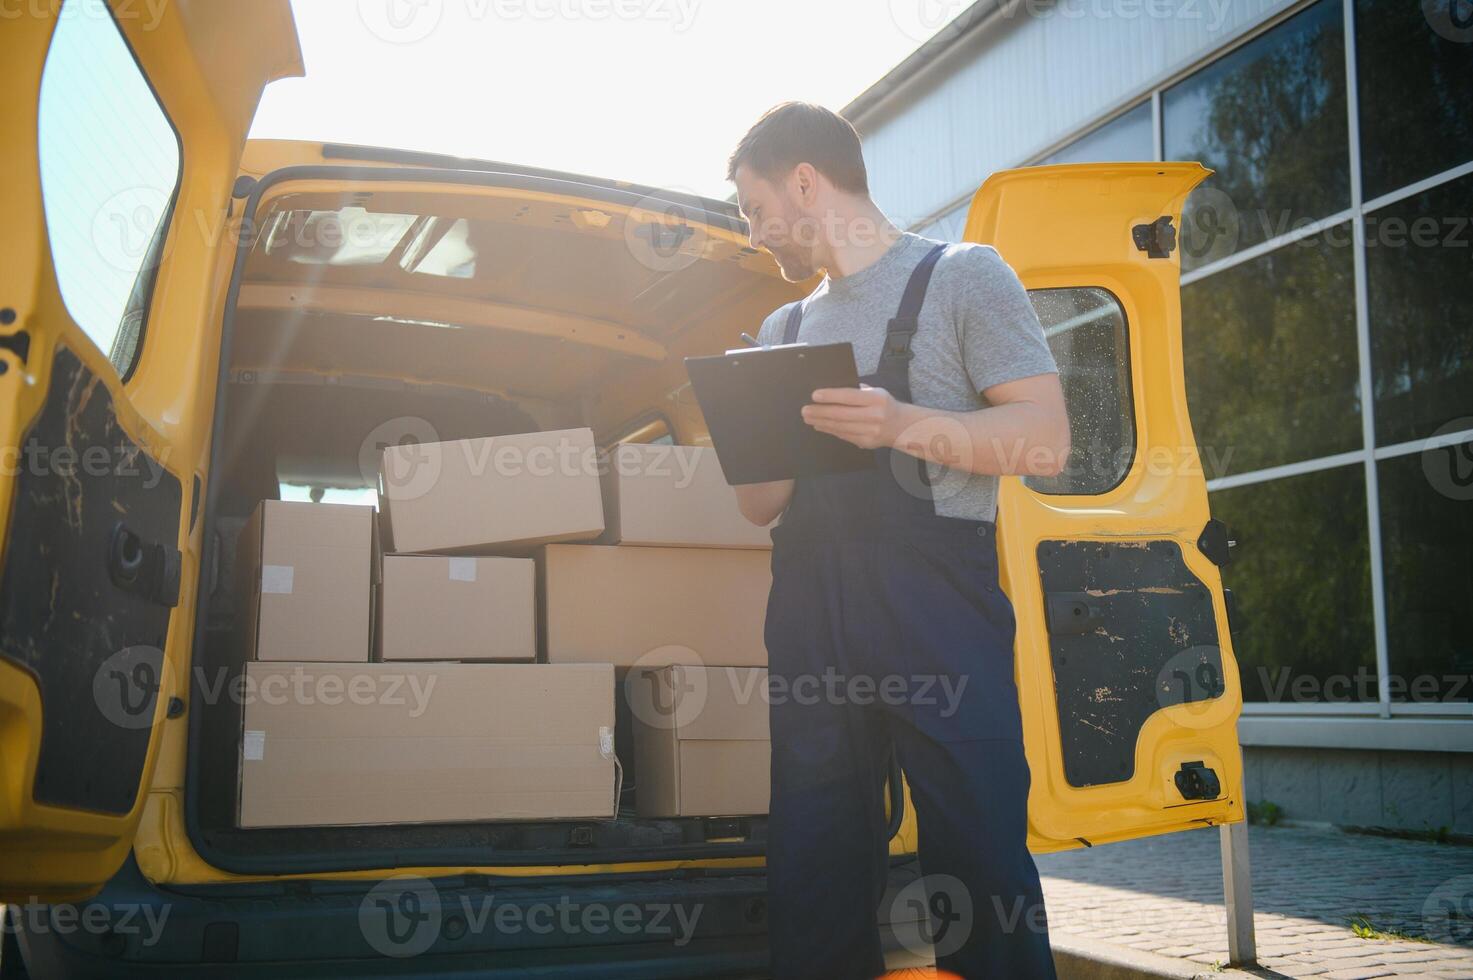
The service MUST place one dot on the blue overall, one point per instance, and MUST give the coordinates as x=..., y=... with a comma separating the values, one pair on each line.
x=886, y=632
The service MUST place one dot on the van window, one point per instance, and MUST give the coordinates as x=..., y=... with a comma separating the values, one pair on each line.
x=109, y=160
x=1085, y=329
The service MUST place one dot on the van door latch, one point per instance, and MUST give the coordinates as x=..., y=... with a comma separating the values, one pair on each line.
x=1157, y=239
x=146, y=568
x=1196, y=782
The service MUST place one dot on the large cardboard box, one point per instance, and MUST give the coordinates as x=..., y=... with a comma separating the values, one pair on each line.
x=673, y=496
x=504, y=493
x=327, y=745
x=701, y=742
x=306, y=575
x=438, y=607
x=650, y=607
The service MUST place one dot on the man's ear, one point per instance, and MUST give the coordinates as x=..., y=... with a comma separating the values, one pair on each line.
x=805, y=184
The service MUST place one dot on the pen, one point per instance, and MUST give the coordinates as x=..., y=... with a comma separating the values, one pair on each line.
x=750, y=341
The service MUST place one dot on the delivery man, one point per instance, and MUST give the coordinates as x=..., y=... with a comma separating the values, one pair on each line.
x=885, y=601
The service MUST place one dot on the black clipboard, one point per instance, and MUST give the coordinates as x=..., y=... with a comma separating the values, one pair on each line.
x=753, y=402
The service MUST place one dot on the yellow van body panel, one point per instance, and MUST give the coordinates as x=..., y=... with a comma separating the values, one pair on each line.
x=1069, y=226
x=51, y=853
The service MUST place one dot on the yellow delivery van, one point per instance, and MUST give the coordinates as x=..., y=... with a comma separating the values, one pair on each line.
x=192, y=325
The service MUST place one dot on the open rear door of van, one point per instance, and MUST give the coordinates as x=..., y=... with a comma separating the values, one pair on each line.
x=1129, y=689
x=125, y=123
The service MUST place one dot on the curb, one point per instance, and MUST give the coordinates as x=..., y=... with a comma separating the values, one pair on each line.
x=1077, y=958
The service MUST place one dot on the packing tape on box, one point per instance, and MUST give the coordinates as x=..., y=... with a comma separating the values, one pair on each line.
x=462, y=569
x=277, y=579
x=253, y=746
x=606, y=749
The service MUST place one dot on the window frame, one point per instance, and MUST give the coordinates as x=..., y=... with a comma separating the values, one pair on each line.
x=1370, y=453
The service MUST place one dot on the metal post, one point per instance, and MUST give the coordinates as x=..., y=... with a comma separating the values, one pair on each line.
x=1237, y=894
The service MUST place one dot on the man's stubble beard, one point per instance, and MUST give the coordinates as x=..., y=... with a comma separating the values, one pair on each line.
x=795, y=263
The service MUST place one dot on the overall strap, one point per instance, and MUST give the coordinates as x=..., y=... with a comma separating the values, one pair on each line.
x=795, y=320
x=893, y=372
x=902, y=327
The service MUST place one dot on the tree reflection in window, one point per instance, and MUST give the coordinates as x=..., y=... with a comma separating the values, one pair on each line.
x=1270, y=119
x=1302, y=579
x=1271, y=357
x=1419, y=260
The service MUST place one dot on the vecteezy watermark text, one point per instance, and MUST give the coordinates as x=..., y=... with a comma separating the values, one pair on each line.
x=405, y=915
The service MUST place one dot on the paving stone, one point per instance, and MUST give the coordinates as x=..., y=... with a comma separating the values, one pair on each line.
x=1164, y=895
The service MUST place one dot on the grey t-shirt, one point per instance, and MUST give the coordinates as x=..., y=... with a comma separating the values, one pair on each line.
x=977, y=329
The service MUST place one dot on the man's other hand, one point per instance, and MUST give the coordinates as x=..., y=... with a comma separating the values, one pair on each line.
x=868, y=417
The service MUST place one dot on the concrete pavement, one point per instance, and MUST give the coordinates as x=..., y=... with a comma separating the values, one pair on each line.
x=1162, y=897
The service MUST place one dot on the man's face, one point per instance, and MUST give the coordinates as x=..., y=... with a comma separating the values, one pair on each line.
x=773, y=212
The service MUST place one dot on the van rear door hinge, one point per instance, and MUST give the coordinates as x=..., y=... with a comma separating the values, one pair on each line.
x=1217, y=542
x=1157, y=239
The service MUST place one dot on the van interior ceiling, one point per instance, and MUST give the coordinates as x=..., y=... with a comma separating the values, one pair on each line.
x=398, y=305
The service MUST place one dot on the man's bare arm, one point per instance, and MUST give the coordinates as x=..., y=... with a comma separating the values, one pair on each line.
x=761, y=503
x=1024, y=430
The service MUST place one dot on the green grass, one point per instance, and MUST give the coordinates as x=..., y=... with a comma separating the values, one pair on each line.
x=1363, y=928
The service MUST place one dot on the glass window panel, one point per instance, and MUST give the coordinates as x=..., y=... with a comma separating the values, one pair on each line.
x=1270, y=119
x=1125, y=138
x=1419, y=262
x=362, y=496
x=452, y=256
x=1426, y=537
x=1414, y=68
x=1086, y=332
x=350, y=236
x=1272, y=367
x=109, y=164
x=1301, y=577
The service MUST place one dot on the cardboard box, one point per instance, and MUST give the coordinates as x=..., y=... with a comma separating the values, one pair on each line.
x=701, y=742
x=649, y=607
x=331, y=745
x=436, y=607
x=306, y=575
x=673, y=496
x=505, y=493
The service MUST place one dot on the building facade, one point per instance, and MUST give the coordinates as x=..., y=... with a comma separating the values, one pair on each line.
x=1327, y=306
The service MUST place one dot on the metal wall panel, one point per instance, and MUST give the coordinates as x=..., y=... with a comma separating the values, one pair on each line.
x=1027, y=80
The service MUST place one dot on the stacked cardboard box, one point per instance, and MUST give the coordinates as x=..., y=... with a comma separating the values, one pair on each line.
x=307, y=587
x=701, y=742
x=676, y=593
x=677, y=578
x=411, y=743
x=439, y=607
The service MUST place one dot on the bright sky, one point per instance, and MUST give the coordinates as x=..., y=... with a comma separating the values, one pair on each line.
x=651, y=91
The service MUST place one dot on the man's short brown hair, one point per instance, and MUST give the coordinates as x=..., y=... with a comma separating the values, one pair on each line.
x=801, y=132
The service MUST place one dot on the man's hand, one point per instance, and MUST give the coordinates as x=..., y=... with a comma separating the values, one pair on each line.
x=1024, y=430
x=868, y=417
x=762, y=503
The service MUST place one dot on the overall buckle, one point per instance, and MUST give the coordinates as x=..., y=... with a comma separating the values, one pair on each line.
x=898, y=335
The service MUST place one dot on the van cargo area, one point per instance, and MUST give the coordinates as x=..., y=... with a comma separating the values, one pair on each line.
x=383, y=306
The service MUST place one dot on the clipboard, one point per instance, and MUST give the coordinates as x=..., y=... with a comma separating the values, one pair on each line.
x=753, y=401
